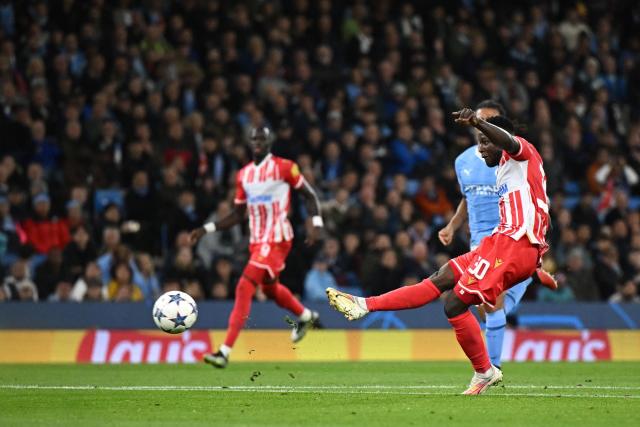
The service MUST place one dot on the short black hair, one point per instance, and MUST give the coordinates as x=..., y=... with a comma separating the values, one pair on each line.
x=490, y=103
x=502, y=122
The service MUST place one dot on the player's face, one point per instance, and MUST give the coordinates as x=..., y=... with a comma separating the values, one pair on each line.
x=489, y=152
x=260, y=145
x=492, y=153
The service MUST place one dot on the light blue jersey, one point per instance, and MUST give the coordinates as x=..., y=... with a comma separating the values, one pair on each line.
x=478, y=185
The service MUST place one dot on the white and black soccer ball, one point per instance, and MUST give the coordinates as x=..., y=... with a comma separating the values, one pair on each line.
x=174, y=312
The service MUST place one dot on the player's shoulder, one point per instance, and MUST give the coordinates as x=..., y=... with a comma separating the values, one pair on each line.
x=527, y=149
x=244, y=170
x=281, y=161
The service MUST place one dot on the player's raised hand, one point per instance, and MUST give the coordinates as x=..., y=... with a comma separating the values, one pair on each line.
x=446, y=235
x=466, y=117
x=196, y=234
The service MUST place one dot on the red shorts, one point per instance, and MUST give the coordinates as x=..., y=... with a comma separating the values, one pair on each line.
x=269, y=256
x=493, y=267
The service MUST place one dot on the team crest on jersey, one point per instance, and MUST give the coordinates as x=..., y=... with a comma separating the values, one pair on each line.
x=498, y=263
x=502, y=190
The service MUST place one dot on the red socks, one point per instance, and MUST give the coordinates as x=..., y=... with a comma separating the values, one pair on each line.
x=283, y=297
x=405, y=297
x=241, y=309
x=469, y=337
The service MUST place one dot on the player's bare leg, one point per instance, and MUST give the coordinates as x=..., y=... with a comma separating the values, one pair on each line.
x=469, y=336
x=404, y=298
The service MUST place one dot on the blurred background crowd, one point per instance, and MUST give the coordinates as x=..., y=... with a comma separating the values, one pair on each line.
x=123, y=123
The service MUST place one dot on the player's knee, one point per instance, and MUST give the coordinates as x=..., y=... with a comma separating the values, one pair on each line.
x=444, y=278
x=453, y=306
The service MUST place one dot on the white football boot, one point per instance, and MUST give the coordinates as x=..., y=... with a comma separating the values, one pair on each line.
x=351, y=306
x=481, y=382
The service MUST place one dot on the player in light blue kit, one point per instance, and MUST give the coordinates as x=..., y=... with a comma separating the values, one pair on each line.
x=480, y=202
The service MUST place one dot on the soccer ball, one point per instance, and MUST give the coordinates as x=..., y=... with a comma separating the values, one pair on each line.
x=175, y=312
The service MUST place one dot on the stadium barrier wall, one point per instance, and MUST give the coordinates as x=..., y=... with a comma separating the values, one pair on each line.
x=125, y=333
x=100, y=346
x=213, y=315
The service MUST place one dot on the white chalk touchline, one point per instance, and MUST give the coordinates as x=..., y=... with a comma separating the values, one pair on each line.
x=382, y=389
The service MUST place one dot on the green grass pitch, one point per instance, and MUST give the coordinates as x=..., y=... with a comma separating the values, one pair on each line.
x=317, y=394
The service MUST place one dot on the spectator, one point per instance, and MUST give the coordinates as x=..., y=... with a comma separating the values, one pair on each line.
x=91, y=278
x=147, y=279
x=50, y=273
x=79, y=252
x=224, y=243
x=626, y=293
x=121, y=287
x=387, y=275
x=141, y=207
x=224, y=279
x=44, y=231
x=19, y=277
x=432, y=200
x=186, y=271
x=62, y=292
x=579, y=278
x=318, y=279
x=95, y=291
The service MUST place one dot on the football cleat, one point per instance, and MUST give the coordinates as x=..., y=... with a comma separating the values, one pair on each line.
x=481, y=382
x=346, y=304
x=546, y=279
x=300, y=328
x=216, y=359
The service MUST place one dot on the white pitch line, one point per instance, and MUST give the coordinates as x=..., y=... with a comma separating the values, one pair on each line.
x=301, y=389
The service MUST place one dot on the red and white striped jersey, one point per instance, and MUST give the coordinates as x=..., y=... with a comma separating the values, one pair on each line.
x=265, y=188
x=522, y=186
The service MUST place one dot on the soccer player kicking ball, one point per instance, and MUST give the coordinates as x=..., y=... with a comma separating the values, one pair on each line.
x=510, y=255
x=263, y=190
x=480, y=205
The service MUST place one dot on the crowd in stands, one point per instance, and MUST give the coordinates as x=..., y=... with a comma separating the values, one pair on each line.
x=123, y=123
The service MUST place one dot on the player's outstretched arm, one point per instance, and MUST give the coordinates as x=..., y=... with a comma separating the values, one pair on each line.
x=236, y=216
x=498, y=136
x=313, y=207
x=446, y=234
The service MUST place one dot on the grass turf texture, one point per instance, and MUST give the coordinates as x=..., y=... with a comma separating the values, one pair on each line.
x=320, y=394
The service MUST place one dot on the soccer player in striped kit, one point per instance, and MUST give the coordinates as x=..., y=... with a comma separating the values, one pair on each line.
x=263, y=191
x=480, y=205
x=511, y=254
